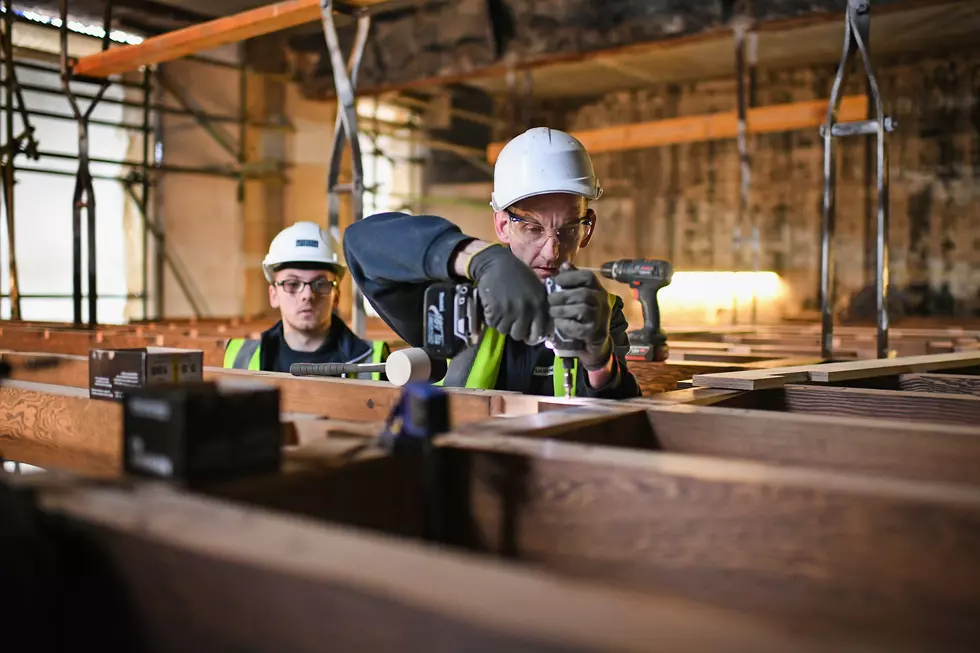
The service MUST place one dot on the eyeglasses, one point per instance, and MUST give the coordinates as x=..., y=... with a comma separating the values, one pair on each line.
x=319, y=286
x=531, y=231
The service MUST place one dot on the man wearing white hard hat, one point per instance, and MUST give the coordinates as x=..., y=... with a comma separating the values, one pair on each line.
x=304, y=277
x=542, y=185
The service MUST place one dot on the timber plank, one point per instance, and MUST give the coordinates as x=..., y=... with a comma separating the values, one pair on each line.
x=205, y=36
x=795, y=543
x=60, y=427
x=342, y=399
x=837, y=372
x=291, y=585
x=891, y=448
x=891, y=404
x=944, y=383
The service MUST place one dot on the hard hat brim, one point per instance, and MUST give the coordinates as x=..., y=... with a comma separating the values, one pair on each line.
x=588, y=193
x=270, y=269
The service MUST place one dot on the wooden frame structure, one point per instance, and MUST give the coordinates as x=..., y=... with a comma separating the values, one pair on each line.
x=838, y=507
x=197, y=38
x=714, y=126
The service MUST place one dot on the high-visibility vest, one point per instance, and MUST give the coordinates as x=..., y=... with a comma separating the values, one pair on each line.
x=245, y=354
x=483, y=371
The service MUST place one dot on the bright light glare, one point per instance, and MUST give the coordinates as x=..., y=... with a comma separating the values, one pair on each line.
x=116, y=35
x=698, y=297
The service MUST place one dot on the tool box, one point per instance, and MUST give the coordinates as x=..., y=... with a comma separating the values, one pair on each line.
x=114, y=371
x=197, y=433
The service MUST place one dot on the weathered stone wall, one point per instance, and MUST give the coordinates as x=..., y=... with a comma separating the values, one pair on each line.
x=680, y=201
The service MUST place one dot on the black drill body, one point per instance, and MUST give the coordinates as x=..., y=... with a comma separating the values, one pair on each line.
x=646, y=277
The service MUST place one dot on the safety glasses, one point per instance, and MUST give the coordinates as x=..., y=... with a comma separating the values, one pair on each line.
x=319, y=286
x=531, y=231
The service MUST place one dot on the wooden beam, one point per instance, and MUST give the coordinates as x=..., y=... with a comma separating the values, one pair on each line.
x=876, y=446
x=837, y=372
x=790, y=542
x=691, y=129
x=205, y=36
x=191, y=573
x=937, y=408
x=333, y=398
x=948, y=383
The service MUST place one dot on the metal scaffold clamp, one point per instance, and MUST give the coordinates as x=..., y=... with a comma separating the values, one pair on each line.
x=857, y=32
x=346, y=131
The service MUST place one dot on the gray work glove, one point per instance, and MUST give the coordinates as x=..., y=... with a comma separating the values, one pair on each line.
x=514, y=299
x=581, y=310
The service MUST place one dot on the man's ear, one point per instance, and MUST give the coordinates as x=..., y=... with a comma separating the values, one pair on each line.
x=501, y=220
x=336, y=298
x=273, y=297
x=588, y=238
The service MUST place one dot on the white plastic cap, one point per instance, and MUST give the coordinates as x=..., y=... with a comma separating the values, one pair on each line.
x=303, y=242
x=540, y=161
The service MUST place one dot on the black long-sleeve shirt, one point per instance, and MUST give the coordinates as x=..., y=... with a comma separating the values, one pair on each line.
x=394, y=257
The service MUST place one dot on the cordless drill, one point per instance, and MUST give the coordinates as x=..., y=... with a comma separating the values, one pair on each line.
x=454, y=321
x=646, y=277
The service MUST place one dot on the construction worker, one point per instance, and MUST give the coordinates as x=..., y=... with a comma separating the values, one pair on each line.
x=542, y=185
x=304, y=284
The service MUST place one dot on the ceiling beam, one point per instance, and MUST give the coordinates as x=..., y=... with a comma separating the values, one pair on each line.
x=713, y=126
x=205, y=36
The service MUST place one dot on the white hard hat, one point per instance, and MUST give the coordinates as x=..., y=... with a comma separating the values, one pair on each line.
x=540, y=161
x=303, y=242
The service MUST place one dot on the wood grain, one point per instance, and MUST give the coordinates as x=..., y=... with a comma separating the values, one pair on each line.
x=869, y=446
x=887, y=404
x=59, y=427
x=285, y=584
x=944, y=383
x=797, y=543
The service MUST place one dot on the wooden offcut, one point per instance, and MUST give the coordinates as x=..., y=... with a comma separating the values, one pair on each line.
x=212, y=34
x=690, y=129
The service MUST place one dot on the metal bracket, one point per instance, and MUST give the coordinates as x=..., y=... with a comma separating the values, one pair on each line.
x=345, y=129
x=84, y=198
x=857, y=34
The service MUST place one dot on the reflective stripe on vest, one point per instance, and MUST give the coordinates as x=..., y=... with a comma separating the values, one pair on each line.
x=243, y=354
x=486, y=365
x=379, y=354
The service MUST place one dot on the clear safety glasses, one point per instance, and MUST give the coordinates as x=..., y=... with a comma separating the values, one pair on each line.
x=532, y=232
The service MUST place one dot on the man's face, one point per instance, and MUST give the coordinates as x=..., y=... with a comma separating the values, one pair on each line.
x=546, y=230
x=305, y=306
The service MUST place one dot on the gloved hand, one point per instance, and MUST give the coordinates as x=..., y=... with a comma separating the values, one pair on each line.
x=581, y=310
x=514, y=299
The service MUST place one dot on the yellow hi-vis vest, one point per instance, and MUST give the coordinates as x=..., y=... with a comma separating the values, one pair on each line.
x=245, y=354
x=486, y=365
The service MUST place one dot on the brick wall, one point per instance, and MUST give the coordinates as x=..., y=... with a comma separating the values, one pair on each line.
x=679, y=202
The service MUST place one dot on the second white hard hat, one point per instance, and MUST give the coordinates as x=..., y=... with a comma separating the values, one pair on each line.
x=540, y=161
x=302, y=242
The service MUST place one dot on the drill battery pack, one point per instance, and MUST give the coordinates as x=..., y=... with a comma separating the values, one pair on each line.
x=453, y=319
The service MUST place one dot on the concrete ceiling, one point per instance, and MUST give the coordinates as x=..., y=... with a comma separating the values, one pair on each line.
x=901, y=31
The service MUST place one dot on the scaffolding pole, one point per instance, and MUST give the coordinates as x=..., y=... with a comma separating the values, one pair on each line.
x=84, y=197
x=857, y=32
x=345, y=129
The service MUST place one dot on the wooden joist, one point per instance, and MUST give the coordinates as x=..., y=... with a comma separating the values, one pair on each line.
x=691, y=129
x=198, y=574
x=205, y=36
x=851, y=507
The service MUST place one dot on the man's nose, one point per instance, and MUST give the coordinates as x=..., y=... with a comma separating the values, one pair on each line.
x=551, y=245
